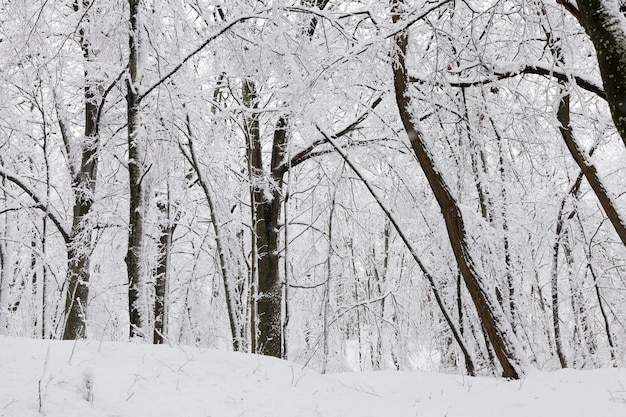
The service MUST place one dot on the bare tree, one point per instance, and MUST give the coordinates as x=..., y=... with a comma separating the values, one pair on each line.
x=503, y=340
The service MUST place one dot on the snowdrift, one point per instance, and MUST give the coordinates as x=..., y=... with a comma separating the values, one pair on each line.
x=90, y=378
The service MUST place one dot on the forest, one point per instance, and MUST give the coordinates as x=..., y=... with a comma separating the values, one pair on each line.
x=350, y=185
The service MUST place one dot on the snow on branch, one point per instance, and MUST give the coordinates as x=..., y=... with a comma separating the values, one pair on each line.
x=511, y=70
x=52, y=215
x=217, y=34
x=312, y=150
x=572, y=8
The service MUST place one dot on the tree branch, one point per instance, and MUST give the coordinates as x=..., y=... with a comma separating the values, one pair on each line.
x=536, y=69
x=311, y=151
x=21, y=183
x=204, y=44
x=409, y=246
x=572, y=9
x=104, y=97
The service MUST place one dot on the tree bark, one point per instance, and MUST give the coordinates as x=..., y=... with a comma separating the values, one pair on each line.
x=3, y=284
x=605, y=318
x=267, y=201
x=556, y=323
x=134, y=252
x=326, y=293
x=161, y=287
x=604, y=22
x=591, y=173
x=84, y=187
x=504, y=342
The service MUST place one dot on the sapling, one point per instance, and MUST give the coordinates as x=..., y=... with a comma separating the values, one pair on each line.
x=88, y=381
x=40, y=393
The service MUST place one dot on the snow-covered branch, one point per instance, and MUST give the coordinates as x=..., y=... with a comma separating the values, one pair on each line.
x=504, y=71
x=201, y=47
x=40, y=202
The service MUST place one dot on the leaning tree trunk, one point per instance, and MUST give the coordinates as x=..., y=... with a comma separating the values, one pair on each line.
x=233, y=308
x=499, y=331
x=469, y=363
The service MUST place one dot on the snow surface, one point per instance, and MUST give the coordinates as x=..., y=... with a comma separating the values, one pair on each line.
x=89, y=378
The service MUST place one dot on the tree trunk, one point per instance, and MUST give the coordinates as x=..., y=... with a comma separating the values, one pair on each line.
x=3, y=285
x=269, y=298
x=585, y=164
x=161, y=287
x=501, y=336
x=135, y=175
x=604, y=22
x=605, y=318
x=233, y=309
x=505, y=231
x=266, y=213
x=555, y=289
x=84, y=187
x=326, y=294
x=469, y=363
x=268, y=209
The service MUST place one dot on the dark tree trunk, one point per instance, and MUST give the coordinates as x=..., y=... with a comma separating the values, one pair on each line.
x=161, y=273
x=603, y=24
x=3, y=283
x=135, y=175
x=84, y=186
x=269, y=299
x=605, y=318
x=78, y=250
x=556, y=323
x=266, y=214
x=585, y=164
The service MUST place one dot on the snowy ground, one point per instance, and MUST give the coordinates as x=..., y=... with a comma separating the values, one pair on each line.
x=87, y=379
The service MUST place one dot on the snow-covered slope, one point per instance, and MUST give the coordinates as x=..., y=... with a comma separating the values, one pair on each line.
x=87, y=379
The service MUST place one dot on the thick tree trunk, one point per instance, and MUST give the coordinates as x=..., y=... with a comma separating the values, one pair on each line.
x=79, y=252
x=268, y=210
x=266, y=206
x=499, y=331
x=269, y=298
x=84, y=187
x=605, y=24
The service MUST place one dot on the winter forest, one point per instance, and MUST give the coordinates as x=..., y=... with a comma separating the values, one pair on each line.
x=350, y=185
